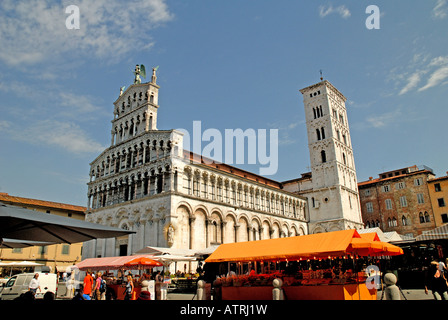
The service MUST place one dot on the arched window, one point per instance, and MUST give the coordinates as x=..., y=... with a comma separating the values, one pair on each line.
x=427, y=218
x=421, y=217
x=323, y=132
x=323, y=156
x=318, y=134
x=196, y=186
x=344, y=159
x=404, y=221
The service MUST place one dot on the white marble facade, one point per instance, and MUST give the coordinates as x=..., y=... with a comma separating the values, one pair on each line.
x=147, y=183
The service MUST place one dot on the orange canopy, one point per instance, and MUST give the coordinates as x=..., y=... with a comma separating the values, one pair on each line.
x=387, y=249
x=320, y=245
x=372, y=236
x=143, y=262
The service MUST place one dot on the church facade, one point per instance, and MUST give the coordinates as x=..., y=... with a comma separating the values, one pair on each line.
x=146, y=182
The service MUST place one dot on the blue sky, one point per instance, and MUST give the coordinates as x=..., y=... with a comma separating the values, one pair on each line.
x=230, y=64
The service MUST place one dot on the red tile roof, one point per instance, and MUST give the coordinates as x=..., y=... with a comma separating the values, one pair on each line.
x=4, y=197
x=232, y=170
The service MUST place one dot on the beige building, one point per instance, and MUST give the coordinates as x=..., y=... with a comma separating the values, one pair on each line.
x=57, y=256
x=438, y=192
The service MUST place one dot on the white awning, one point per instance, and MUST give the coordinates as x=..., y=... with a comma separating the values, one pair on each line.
x=156, y=251
x=435, y=234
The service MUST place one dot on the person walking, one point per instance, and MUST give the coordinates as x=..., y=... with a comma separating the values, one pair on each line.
x=129, y=288
x=435, y=281
x=34, y=284
x=97, y=287
x=88, y=283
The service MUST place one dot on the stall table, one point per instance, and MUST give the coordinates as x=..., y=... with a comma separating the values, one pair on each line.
x=321, y=292
x=120, y=291
x=330, y=292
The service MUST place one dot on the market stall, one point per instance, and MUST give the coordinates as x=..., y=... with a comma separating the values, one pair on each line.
x=319, y=266
x=117, y=284
x=178, y=265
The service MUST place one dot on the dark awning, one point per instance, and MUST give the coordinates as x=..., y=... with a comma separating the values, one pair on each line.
x=25, y=224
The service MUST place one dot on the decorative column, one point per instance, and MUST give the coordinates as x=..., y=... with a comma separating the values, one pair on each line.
x=236, y=227
x=155, y=183
x=207, y=232
x=223, y=227
x=190, y=225
x=171, y=185
x=149, y=184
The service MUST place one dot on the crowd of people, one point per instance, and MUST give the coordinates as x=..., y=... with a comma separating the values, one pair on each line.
x=98, y=286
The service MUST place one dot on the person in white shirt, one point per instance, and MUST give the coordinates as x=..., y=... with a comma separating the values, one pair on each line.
x=34, y=284
x=442, y=266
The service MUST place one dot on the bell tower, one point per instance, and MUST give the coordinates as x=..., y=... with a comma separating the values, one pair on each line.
x=135, y=110
x=333, y=199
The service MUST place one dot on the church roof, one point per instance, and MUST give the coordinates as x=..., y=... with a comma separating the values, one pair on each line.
x=225, y=168
x=232, y=170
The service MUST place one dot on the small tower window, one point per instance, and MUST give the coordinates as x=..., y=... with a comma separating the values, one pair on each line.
x=323, y=156
x=318, y=134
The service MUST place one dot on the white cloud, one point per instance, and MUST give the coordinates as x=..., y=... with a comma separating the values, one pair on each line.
x=34, y=31
x=382, y=120
x=413, y=81
x=77, y=103
x=432, y=74
x=60, y=103
x=64, y=135
x=436, y=78
x=440, y=10
x=4, y=125
x=343, y=11
x=286, y=130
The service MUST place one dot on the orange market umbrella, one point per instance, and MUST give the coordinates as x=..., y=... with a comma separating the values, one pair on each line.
x=365, y=247
x=143, y=262
x=386, y=249
x=392, y=250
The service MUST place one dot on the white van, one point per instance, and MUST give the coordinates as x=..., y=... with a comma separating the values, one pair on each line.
x=18, y=284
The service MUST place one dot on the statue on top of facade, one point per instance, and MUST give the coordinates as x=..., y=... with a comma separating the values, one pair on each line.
x=139, y=70
x=154, y=77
